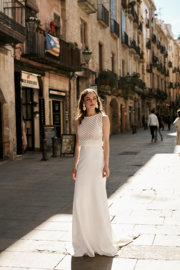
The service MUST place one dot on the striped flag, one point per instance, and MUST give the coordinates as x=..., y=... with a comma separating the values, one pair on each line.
x=52, y=45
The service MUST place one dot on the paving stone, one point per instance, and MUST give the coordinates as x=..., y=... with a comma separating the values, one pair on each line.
x=158, y=265
x=151, y=252
x=167, y=240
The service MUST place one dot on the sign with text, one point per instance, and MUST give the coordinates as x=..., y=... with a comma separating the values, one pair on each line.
x=68, y=144
x=49, y=133
x=29, y=80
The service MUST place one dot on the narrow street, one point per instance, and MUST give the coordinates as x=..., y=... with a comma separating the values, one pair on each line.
x=143, y=195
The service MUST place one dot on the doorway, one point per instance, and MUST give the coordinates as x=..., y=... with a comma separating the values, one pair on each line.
x=27, y=111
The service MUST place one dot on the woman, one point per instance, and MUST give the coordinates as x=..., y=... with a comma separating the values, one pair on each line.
x=160, y=126
x=91, y=230
x=177, y=125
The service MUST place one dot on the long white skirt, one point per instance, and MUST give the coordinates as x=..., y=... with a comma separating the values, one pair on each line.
x=91, y=231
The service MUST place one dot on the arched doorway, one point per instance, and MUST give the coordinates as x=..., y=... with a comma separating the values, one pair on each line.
x=114, y=119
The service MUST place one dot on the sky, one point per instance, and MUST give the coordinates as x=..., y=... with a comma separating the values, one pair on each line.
x=170, y=13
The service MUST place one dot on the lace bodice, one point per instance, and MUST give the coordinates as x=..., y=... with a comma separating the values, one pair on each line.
x=90, y=130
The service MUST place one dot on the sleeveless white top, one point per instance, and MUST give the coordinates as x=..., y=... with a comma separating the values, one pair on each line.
x=90, y=130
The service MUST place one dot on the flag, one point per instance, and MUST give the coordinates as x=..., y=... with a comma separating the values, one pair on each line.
x=52, y=45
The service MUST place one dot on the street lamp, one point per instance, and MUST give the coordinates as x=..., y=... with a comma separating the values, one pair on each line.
x=87, y=54
x=32, y=22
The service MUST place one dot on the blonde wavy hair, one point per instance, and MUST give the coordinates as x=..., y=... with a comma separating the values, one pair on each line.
x=80, y=113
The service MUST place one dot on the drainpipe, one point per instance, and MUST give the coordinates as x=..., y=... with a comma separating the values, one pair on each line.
x=70, y=78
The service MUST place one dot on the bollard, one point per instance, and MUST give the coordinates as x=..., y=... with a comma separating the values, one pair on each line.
x=54, y=145
x=44, y=150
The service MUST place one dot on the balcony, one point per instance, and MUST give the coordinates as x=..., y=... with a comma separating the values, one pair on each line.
x=132, y=46
x=89, y=6
x=149, y=67
x=139, y=30
x=131, y=13
x=148, y=44
x=170, y=85
x=114, y=29
x=141, y=85
x=124, y=3
x=162, y=49
x=158, y=45
x=147, y=22
x=170, y=64
x=140, y=60
x=103, y=15
x=174, y=70
x=165, y=54
x=151, y=92
x=34, y=49
x=167, y=73
x=124, y=40
x=138, y=53
x=136, y=20
x=159, y=67
x=107, y=80
x=154, y=39
x=158, y=92
x=163, y=70
x=12, y=21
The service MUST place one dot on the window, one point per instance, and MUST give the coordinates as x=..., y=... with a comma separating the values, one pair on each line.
x=83, y=27
x=100, y=56
x=123, y=26
x=57, y=24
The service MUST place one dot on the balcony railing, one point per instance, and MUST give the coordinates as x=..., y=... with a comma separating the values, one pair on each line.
x=170, y=64
x=131, y=13
x=159, y=67
x=89, y=6
x=124, y=39
x=163, y=70
x=132, y=46
x=12, y=21
x=148, y=44
x=34, y=49
x=140, y=28
x=154, y=61
x=103, y=15
x=136, y=19
x=167, y=73
x=158, y=45
x=147, y=22
x=170, y=85
x=141, y=58
x=165, y=54
x=114, y=28
x=154, y=39
x=108, y=78
x=174, y=70
x=149, y=67
x=162, y=49
x=141, y=84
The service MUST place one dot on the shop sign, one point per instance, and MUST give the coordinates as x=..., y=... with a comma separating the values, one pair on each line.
x=29, y=80
x=56, y=92
x=68, y=144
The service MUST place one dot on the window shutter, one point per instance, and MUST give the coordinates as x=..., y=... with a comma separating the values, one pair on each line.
x=123, y=26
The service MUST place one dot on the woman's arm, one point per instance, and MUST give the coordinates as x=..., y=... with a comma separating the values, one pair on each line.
x=106, y=128
x=76, y=156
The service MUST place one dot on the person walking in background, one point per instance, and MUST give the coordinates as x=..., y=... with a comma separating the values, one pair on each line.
x=160, y=126
x=169, y=121
x=163, y=119
x=153, y=124
x=177, y=125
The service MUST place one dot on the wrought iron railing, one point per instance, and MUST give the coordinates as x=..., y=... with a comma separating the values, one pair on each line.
x=140, y=27
x=12, y=14
x=147, y=22
x=103, y=14
x=154, y=38
x=148, y=44
x=124, y=39
x=34, y=49
x=114, y=27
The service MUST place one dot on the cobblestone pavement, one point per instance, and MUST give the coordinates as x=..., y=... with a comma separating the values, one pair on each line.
x=143, y=195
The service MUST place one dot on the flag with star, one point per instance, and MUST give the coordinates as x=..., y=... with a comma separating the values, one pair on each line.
x=52, y=45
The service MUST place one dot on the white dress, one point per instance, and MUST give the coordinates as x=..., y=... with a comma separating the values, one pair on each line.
x=91, y=230
x=177, y=125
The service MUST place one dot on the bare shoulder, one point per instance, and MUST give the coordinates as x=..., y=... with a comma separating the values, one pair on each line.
x=105, y=119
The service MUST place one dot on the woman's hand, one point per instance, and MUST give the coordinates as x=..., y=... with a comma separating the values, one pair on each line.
x=74, y=171
x=106, y=171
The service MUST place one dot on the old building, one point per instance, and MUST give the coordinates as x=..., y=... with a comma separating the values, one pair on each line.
x=12, y=32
